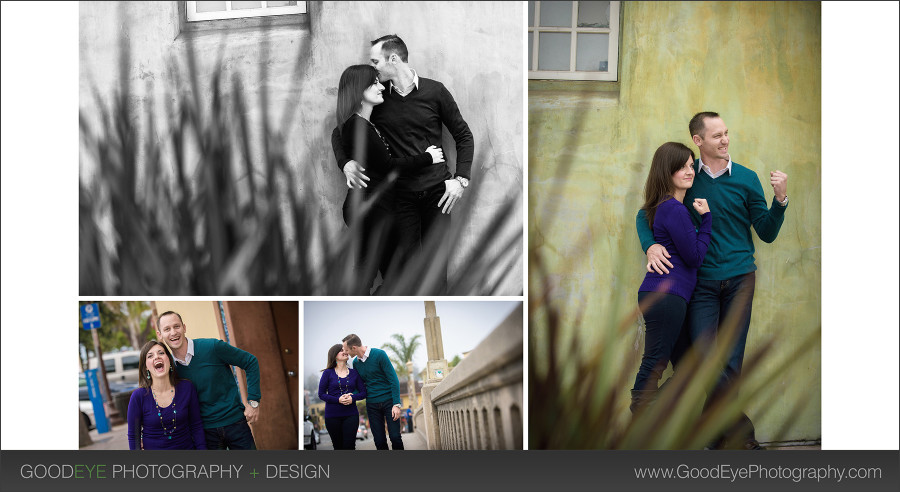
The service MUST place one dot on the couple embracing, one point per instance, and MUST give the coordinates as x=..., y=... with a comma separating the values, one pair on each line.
x=695, y=229
x=387, y=144
x=188, y=397
x=372, y=378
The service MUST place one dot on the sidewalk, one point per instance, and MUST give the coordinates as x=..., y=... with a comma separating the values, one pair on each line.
x=116, y=438
x=411, y=442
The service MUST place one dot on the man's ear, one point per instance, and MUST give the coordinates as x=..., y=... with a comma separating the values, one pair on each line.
x=697, y=140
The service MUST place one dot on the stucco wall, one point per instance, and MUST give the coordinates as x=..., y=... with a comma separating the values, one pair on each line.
x=474, y=48
x=758, y=65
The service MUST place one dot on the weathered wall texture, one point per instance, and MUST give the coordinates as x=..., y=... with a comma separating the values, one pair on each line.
x=474, y=48
x=758, y=65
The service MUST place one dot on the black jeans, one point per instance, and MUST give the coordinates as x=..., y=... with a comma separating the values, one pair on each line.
x=663, y=316
x=417, y=219
x=342, y=431
x=380, y=414
x=373, y=226
x=234, y=436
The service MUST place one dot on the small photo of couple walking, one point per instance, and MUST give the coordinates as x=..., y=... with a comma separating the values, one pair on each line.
x=208, y=376
x=684, y=265
x=400, y=382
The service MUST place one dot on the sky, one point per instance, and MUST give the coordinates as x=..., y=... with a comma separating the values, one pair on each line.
x=463, y=325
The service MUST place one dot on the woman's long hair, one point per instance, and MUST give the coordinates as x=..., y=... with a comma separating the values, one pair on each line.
x=668, y=159
x=354, y=81
x=143, y=382
x=332, y=356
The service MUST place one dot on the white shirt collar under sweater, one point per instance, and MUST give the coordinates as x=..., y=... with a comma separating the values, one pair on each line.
x=704, y=167
x=188, y=355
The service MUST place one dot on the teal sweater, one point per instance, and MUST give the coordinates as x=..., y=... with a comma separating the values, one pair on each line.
x=737, y=202
x=381, y=380
x=217, y=390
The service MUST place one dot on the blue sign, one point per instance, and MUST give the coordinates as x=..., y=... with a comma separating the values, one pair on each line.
x=93, y=386
x=90, y=316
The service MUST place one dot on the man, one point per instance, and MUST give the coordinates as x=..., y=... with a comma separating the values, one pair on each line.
x=726, y=280
x=410, y=120
x=207, y=362
x=382, y=391
x=409, y=417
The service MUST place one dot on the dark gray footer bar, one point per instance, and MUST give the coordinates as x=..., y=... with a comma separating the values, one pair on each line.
x=458, y=471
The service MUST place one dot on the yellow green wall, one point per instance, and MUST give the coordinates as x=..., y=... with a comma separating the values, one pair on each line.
x=758, y=65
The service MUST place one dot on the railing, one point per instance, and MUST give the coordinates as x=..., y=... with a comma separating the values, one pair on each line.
x=479, y=404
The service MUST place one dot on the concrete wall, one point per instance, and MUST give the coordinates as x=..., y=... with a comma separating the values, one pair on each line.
x=474, y=48
x=758, y=65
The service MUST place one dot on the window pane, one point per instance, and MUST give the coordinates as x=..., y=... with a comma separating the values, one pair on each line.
x=593, y=14
x=530, y=49
x=531, y=13
x=281, y=4
x=553, y=50
x=245, y=5
x=130, y=362
x=556, y=14
x=210, y=6
x=109, y=365
x=592, y=53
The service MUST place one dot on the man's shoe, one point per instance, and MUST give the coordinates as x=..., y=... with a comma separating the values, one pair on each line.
x=753, y=445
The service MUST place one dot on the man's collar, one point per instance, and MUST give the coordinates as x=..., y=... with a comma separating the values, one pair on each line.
x=415, y=81
x=702, y=165
x=190, y=352
x=365, y=355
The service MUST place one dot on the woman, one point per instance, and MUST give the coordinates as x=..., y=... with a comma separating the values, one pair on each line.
x=368, y=211
x=164, y=413
x=340, y=388
x=663, y=299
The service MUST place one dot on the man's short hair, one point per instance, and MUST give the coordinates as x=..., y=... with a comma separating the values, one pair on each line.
x=166, y=314
x=352, y=340
x=392, y=44
x=696, y=126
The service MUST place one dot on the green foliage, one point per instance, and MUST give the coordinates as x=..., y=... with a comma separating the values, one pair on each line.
x=580, y=376
x=117, y=322
x=455, y=361
x=202, y=199
x=401, y=352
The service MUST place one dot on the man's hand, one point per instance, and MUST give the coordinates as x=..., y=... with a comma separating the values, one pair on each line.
x=453, y=192
x=778, y=180
x=251, y=414
x=355, y=177
x=656, y=259
x=395, y=412
x=345, y=399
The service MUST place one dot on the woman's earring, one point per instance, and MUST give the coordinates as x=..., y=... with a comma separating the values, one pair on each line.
x=171, y=369
x=148, y=374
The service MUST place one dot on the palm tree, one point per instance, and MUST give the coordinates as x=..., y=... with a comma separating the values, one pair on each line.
x=401, y=352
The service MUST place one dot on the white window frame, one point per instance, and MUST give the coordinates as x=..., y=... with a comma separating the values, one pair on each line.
x=228, y=13
x=613, y=30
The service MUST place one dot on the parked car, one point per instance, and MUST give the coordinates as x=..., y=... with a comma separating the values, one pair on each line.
x=120, y=366
x=84, y=401
x=362, y=432
x=310, y=436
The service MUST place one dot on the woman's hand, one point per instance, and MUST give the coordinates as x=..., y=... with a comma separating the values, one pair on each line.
x=346, y=399
x=701, y=206
x=437, y=154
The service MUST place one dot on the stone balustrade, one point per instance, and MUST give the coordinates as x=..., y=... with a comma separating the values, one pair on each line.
x=479, y=404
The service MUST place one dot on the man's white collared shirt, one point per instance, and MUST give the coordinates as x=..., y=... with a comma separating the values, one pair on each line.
x=188, y=355
x=365, y=355
x=704, y=167
x=415, y=84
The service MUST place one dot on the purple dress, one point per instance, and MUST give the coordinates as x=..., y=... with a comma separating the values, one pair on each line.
x=154, y=427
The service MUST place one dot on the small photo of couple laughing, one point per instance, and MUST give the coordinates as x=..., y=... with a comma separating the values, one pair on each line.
x=400, y=382
x=346, y=148
x=190, y=375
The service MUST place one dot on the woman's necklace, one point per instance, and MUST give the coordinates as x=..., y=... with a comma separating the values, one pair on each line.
x=341, y=387
x=386, y=146
x=166, y=432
